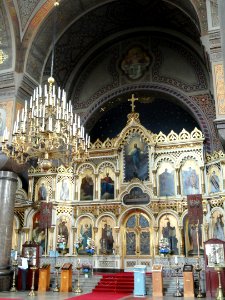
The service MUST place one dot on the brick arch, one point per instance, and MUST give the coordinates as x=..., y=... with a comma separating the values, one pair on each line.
x=188, y=102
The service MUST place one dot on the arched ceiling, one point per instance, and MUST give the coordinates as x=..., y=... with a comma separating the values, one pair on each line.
x=85, y=25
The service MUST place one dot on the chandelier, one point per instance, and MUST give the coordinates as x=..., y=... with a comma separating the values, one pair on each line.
x=47, y=129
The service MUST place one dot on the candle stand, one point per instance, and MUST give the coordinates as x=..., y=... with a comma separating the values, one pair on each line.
x=198, y=270
x=14, y=265
x=32, y=292
x=219, y=294
x=178, y=292
x=78, y=290
x=56, y=289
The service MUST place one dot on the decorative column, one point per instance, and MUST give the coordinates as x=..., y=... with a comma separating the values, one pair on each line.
x=74, y=239
x=202, y=179
x=26, y=231
x=96, y=187
x=95, y=229
x=51, y=234
x=76, y=187
x=117, y=184
x=117, y=230
x=154, y=182
x=8, y=186
x=156, y=241
x=181, y=231
x=178, y=181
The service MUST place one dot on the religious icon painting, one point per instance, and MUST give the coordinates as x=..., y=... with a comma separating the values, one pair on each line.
x=193, y=238
x=136, y=197
x=166, y=184
x=87, y=186
x=41, y=190
x=190, y=175
x=106, y=236
x=63, y=236
x=107, y=185
x=214, y=180
x=84, y=235
x=136, y=158
x=64, y=189
x=218, y=225
x=168, y=231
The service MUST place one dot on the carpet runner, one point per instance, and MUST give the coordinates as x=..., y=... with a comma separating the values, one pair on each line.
x=116, y=283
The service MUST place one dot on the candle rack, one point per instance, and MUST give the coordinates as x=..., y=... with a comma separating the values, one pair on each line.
x=32, y=292
x=14, y=265
x=198, y=270
x=219, y=294
x=56, y=289
x=78, y=290
x=178, y=292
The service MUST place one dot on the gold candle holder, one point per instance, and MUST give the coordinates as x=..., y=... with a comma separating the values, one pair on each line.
x=219, y=294
x=78, y=290
x=14, y=265
x=32, y=292
x=56, y=289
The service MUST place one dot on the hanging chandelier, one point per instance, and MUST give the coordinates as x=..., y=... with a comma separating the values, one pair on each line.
x=47, y=129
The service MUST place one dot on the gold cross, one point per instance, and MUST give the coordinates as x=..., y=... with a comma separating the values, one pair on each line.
x=132, y=100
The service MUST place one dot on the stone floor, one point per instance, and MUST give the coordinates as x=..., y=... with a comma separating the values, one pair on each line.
x=63, y=296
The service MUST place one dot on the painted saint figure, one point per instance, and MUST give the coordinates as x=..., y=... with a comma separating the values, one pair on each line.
x=87, y=188
x=107, y=240
x=190, y=182
x=86, y=233
x=169, y=232
x=65, y=192
x=42, y=192
x=218, y=232
x=214, y=183
x=107, y=187
x=63, y=235
x=166, y=184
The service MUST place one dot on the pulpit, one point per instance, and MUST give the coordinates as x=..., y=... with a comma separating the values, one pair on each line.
x=214, y=254
x=44, y=278
x=157, y=281
x=188, y=281
x=66, y=278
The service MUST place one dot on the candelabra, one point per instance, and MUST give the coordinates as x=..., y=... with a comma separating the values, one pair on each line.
x=32, y=292
x=47, y=129
x=56, y=289
x=178, y=292
x=14, y=265
x=219, y=294
x=198, y=270
x=78, y=290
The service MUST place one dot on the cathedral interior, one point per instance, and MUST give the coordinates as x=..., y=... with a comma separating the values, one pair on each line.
x=144, y=183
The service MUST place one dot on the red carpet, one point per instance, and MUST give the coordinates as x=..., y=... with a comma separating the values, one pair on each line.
x=99, y=296
x=116, y=283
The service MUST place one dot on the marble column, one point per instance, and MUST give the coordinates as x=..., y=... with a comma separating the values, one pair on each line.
x=8, y=186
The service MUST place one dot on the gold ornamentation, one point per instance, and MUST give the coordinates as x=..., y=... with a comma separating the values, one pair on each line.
x=220, y=88
x=47, y=129
x=3, y=56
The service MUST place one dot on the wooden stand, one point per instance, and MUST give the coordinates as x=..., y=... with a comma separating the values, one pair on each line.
x=157, y=281
x=66, y=278
x=188, y=281
x=44, y=278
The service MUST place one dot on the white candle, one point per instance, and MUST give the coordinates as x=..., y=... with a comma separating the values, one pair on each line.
x=15, y=255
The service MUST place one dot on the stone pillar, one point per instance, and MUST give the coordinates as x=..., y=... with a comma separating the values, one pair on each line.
x=96, y=193
x=95, y=230
x=202, y=179
x=178, y=181
x=8, y=186
x=117, y=184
